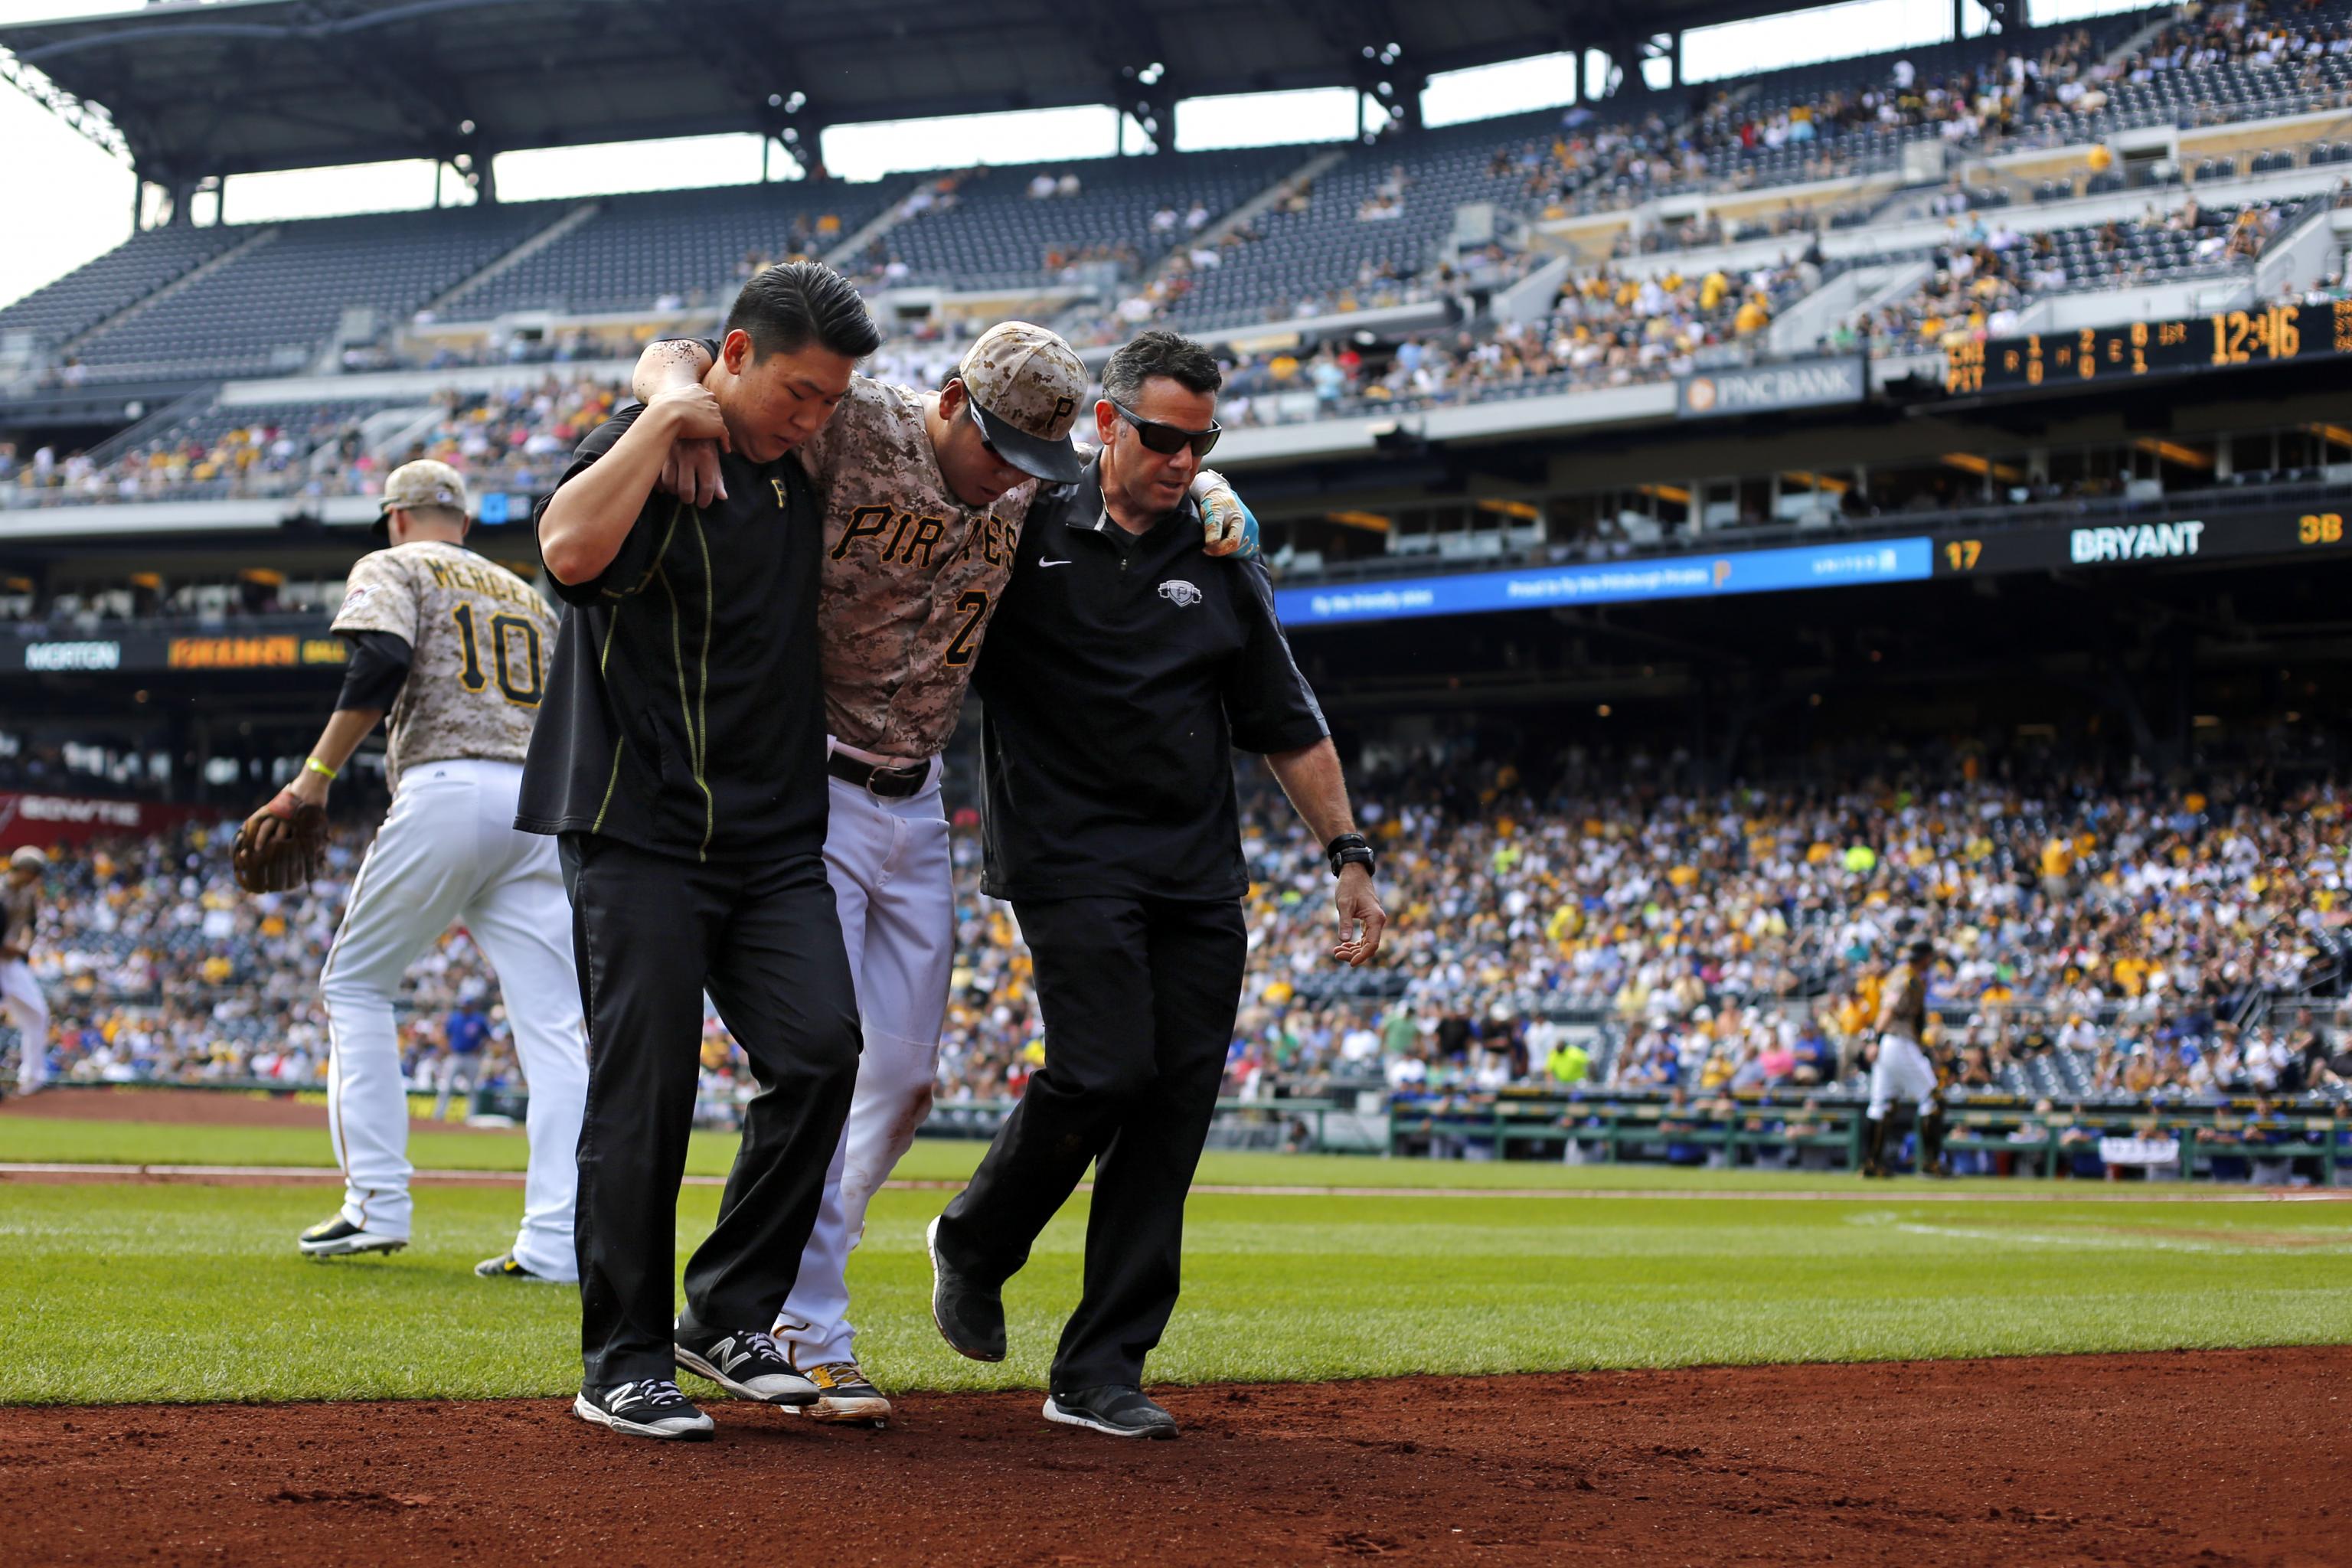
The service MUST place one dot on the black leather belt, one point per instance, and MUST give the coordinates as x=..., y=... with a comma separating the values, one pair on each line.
x=890, y=783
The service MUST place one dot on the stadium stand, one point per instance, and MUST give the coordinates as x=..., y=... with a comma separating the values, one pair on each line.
x=636, y=251
x=1030, y=224
x=1989, y=272
x=1149, y=238
x=145, y=262
x=272, y=309
x=1601, y=330
x=1380, y=214
x=2114, y=942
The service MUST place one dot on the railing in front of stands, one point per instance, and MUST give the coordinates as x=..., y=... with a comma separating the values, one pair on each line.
x=2272, y=1142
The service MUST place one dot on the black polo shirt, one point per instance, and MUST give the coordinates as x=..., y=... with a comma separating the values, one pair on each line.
x=1119, y=674
x=683, y=711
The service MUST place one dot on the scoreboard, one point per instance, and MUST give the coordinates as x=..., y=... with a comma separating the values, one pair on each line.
x=2312, y=535
x=2273, y=335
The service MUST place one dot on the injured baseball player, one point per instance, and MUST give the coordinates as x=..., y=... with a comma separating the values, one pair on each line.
x=455, y=648
x=924, y=498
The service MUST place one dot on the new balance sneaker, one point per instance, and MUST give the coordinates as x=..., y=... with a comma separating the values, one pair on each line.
x=504, y=1266
x=845, y=1395
x=1114, y=1409
x=970, y=1318
x=339, y=1238
x=652, y=1408
x=746, y=1363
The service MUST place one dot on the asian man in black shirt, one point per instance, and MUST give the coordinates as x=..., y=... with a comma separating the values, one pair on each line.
x=1120, y=673
x=679, y=755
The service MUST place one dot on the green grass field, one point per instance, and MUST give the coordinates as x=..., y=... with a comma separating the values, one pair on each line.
x=152, y=1291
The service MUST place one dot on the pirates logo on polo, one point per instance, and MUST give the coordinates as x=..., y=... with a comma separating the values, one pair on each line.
x=1180, y=593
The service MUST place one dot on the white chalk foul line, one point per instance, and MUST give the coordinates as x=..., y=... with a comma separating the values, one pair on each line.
x=1904, y=1191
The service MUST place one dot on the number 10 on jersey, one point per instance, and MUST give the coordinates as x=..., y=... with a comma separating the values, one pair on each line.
x=514, y=655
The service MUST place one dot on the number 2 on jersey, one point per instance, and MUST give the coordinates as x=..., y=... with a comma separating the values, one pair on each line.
x=973, y=607
x=513, y=640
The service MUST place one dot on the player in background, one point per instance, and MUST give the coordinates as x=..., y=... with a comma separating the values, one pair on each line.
x=465, y=1034
x=1902, y=1070
x=20, y=994
x=924, y=498
x=454, y=647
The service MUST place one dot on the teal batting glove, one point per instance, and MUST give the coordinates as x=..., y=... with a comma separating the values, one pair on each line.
x=1228, y=526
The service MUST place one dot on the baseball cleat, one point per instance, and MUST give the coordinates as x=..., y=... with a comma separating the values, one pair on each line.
x=1115, y=1410
x=746, y=1363
x=339, y=1238
x=504, y=1266
x=971, y=1318
x=652, y=1408
x=844, y=1395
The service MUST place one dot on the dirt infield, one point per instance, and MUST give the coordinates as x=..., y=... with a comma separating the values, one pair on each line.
x=2214, y=1458
x=182, y=1107
x=188, y=1108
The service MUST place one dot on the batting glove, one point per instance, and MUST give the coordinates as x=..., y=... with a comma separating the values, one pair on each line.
x=1228, y=526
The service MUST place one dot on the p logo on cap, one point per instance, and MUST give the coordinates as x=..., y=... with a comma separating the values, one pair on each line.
x=1026, y=386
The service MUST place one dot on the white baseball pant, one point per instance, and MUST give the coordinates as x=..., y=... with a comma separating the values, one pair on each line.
x=894, y=884
x=21, y=1001
x=1901, y=1072
x=448, y=851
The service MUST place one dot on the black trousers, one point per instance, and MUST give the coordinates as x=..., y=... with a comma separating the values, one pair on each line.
x=1138, y=998
x=653, y=933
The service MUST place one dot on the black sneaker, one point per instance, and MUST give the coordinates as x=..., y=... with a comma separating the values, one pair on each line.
x=505, y=1267
x=746, y=1363
x=339, y=1238
x=970, y=1317
x=650, y=1408
x=1116, y=1409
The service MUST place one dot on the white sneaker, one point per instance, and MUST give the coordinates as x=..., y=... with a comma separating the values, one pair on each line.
x=650, y=1408
x=339, y=1238
x=747, y=1363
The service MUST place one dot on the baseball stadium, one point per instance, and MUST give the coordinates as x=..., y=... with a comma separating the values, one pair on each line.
x=1576, y=783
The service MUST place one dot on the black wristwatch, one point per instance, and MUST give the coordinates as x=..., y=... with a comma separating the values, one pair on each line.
x=1350, y=849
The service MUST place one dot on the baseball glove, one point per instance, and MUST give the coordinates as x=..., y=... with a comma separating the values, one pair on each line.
x=280, y=846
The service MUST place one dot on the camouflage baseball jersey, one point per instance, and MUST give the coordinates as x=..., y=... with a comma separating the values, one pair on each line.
x=480, y=636
x=911, y=574
x=1907, y=1001
x=20, y=909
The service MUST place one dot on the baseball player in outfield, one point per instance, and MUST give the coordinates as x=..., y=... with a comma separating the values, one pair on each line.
x=925, y=494
x=456, y=648
x=20, y=994
x=1902, y=1070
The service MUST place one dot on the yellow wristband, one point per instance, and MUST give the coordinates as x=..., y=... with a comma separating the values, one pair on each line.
x=314, y=765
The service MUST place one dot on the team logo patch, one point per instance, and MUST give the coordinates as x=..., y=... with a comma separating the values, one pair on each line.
x=1180, y=593
x=354, y=599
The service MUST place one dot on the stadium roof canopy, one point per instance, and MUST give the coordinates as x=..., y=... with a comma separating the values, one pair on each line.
x=241, y=86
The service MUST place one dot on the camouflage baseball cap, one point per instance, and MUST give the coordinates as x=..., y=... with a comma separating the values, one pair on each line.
x=424, y=482
x=1026, y=386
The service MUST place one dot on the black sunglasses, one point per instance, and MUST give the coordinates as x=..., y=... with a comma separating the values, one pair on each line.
x=1168, y=439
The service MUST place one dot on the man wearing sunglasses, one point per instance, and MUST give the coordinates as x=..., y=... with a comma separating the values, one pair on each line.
x=924, y=496
x=1122, y=672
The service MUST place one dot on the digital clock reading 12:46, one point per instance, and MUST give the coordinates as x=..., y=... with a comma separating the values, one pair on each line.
x=2271, y=336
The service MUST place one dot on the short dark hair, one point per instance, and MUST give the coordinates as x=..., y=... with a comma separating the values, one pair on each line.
x=786, y=307
x=1148, y=354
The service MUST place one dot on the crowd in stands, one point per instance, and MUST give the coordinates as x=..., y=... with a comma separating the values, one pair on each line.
x=1603, y=329
x=517, y=438
x=1592, y=929
x=319, y=453
x=1990, y=270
